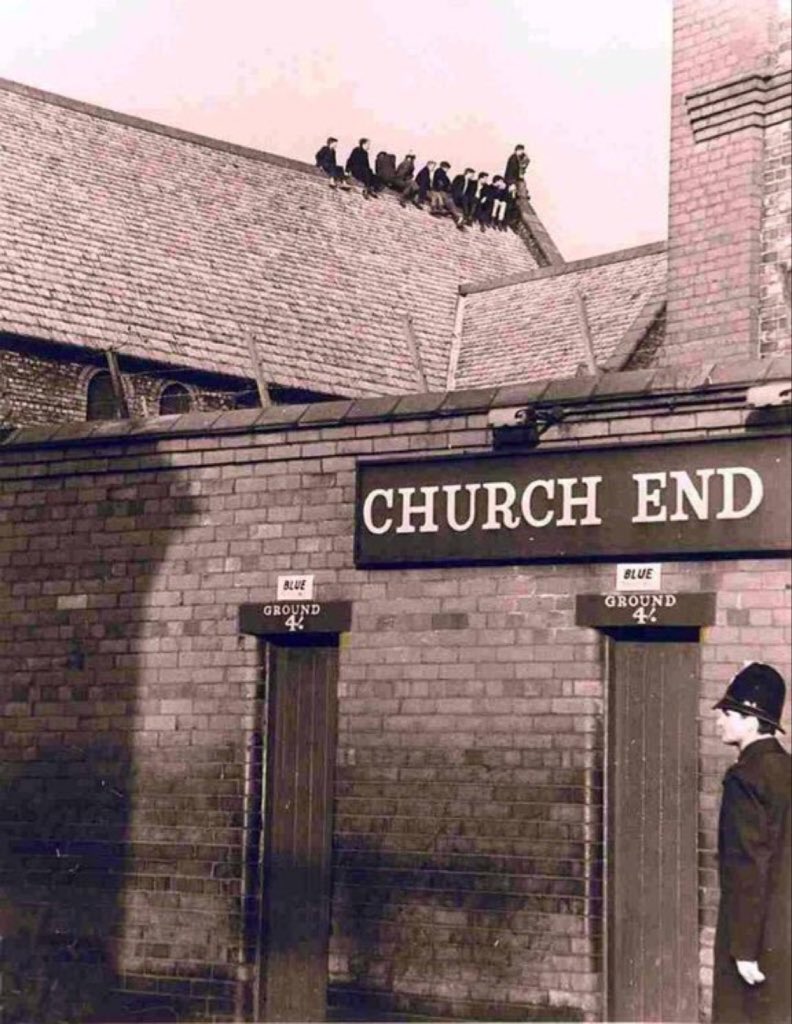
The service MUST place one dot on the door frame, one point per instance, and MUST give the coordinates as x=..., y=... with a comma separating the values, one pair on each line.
x=274, y=625
x=653, y=636
x=689, y=613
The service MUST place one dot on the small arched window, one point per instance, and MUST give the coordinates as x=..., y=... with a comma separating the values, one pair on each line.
x=174, y=398
x=102, y=403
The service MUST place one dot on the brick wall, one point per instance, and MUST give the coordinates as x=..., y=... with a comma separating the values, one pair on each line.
x=468, y=821
x=40, y=385
x=716, y=185
x=37, y=389
x=777, y=223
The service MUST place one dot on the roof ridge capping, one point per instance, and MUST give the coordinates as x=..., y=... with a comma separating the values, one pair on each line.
x=156, y=127
x=557, y=270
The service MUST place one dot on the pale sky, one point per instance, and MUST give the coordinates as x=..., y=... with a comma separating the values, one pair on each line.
x=584, y=85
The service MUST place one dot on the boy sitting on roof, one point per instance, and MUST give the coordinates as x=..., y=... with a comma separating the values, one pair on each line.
x=405, y=173
x=516, y=166
x=359, y=167
x=482, y=199
x=500, y=200
x=385, y=167
x=440, y=196
x=420, y=186
x=461, y=192
x=326, y=160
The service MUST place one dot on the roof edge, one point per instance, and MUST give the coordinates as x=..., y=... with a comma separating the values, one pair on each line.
x=156, y=128
x=557, y=270
x=705, y=381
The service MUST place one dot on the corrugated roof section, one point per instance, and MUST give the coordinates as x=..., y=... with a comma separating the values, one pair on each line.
x=528, y=327
x=115, y=232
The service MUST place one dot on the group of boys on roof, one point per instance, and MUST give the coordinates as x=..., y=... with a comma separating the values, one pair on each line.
x=469, y=198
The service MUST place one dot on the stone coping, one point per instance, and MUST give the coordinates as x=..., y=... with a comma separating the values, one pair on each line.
x=627, y=386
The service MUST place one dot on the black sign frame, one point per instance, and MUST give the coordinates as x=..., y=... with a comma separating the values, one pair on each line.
x=295, y=619
x=649, y=554
x=644, y=609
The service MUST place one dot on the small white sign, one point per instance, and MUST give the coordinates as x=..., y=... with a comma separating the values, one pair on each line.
x=639, y=575
x=295, y=588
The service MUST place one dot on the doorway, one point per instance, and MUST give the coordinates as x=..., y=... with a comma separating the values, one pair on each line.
x=298, y=823
x=652, y=824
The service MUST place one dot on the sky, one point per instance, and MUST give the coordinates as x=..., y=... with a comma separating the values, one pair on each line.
x=583, y=85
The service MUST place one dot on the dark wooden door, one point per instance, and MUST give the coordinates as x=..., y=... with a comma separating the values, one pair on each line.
x=299, y=802
x=652, y=826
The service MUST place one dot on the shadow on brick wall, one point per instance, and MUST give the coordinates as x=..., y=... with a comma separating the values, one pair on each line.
x=468, y=917
x=71, y=592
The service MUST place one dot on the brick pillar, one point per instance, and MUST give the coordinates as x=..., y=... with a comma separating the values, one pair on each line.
x=721, y=53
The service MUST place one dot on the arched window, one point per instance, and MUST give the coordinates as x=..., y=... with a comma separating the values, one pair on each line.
x=174, y=398
x=102, y=403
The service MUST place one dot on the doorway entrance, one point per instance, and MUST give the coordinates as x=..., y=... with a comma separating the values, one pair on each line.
x=298, y=818
x=652, y=824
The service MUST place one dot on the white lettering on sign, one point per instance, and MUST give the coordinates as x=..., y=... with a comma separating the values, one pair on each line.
x=566, y=501
x=639, y=575
x=275, y=609
x=677, y=491
x=295, y=588
x=640, y=600
x=675, y=496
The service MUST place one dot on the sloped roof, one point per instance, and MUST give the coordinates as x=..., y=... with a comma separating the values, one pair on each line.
x=169, y=246
x=527, y=327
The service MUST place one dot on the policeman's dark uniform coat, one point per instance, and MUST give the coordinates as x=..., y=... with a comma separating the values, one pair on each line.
x=754, y=852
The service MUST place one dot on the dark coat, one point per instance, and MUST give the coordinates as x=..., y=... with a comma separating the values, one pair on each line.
x=358, y=165
x=458, y=186
x=515, y=168
x=326, y=159
x=440, y=181
x=406, y=169
x=754, y=868
x=423, y=179
x=385, y=166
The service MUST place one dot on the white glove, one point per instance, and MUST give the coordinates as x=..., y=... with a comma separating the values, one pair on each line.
x=749, y=971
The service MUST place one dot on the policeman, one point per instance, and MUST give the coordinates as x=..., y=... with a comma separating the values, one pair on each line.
x=752, y=942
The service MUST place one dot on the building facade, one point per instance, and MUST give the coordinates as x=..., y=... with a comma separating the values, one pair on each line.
x=400, y=704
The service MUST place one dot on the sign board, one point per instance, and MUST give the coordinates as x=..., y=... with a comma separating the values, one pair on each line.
x=681, y=499
x=295, y=618
x=641, y=576
x=295, y=588
x=661, y=609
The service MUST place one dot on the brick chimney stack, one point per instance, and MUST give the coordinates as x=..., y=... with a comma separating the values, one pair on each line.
x=723, y=53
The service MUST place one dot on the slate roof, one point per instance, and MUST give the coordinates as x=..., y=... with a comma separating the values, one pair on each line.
x=527, y=327
x=169, y=246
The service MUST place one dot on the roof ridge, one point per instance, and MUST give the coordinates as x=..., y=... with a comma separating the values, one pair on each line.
x=537, y=231
x=557, y=270
x=156, y=127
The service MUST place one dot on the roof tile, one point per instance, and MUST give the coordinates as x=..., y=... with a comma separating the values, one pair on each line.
x=536, y=320
x=106, y=222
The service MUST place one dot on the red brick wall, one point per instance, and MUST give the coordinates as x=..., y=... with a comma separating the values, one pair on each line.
x=774, y=328
x=45, y=387
x=34, y=389
x=467, y=831
x=716, y=188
